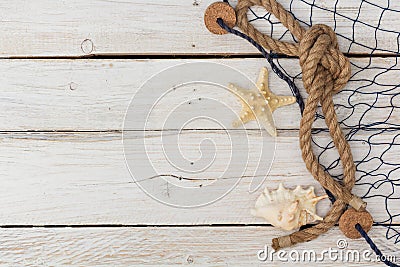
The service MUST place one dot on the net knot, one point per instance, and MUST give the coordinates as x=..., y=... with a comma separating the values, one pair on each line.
x=320, y=57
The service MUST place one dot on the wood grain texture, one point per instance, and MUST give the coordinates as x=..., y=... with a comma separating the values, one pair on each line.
x=93, y=95
x=77, y=28
x=82, y=178
x=167, y=246
x=62, y=158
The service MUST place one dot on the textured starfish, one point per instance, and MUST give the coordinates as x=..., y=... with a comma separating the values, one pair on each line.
x=259, y=105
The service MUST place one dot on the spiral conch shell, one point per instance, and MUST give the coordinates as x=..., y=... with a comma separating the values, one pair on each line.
x=288, y=209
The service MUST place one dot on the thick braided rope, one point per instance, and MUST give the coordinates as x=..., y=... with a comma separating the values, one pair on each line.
x=266, y=41
x=325, y=72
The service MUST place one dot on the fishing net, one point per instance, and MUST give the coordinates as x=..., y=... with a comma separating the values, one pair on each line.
x=369, y=106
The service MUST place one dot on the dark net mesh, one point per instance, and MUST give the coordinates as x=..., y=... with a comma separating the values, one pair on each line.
x=369, y=107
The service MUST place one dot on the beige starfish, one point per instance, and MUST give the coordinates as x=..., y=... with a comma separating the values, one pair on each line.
x=259, y=105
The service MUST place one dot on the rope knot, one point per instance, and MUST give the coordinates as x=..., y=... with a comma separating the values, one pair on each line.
x=325, y=72
x=320, y=57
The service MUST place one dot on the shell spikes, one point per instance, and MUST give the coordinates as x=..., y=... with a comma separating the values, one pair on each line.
x=288, y=209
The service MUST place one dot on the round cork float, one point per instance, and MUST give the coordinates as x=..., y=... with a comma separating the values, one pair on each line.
x=349, y=219
x=219, y=10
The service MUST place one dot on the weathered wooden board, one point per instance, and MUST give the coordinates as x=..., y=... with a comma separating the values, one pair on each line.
x=62, y=157
x=76, y=28
x=192, y=246
x=93, y=95
x=82, y=178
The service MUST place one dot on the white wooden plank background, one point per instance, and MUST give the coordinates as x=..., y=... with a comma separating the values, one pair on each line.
x=89, y=95
x=61, y=156
x=81, y=178
x=154, y=246
x=76, y=28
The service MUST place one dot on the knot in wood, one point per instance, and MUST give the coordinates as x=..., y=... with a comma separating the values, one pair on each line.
x=320, y=57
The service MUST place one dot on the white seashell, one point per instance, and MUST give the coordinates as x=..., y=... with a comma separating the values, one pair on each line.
x=288, y=209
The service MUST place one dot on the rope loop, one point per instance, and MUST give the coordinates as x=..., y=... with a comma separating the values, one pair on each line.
x=319, y=46
x=336, y=67
x=325, y=72
x=266, y=41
